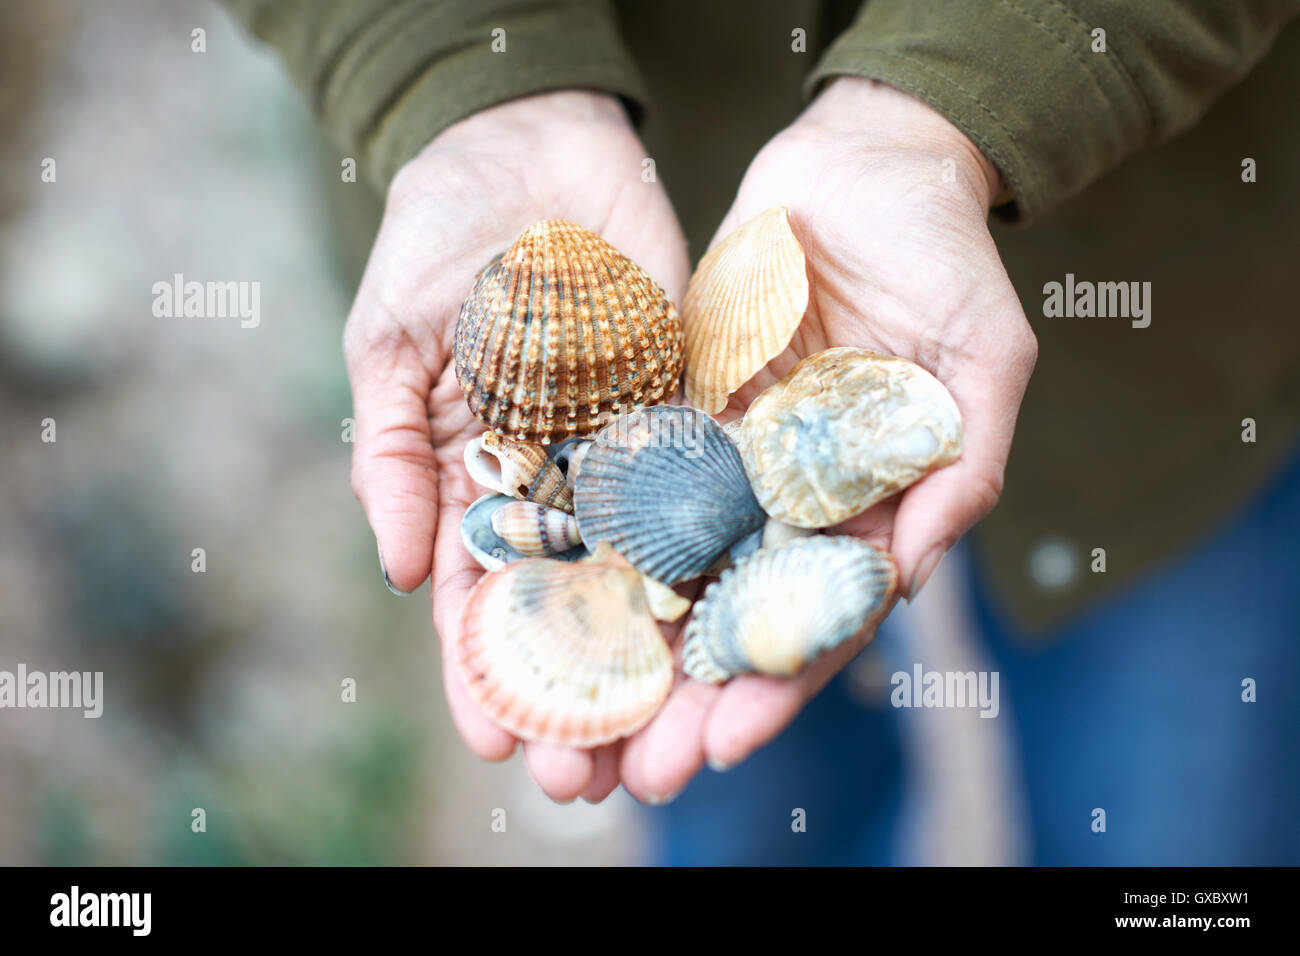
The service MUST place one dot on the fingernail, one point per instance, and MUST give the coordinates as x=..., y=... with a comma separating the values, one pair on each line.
x=656, y=800
x=387, y=583
x=925, y=569
x=717, y=766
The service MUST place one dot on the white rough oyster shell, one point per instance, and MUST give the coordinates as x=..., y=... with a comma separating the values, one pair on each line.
x=846, y=428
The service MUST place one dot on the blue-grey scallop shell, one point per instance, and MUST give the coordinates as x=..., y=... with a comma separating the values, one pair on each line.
x=487, y=547
x=777, y=610
x=667, y=488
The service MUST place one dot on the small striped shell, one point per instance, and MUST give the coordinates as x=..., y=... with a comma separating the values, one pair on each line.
x=535, y=530
x=479, y=535
x=846, y=428
x=777, y=610
x=566, y=654
x=518, y=469
x=561, y=333
x=668, y=490
x=745, y=301
x=567, y=456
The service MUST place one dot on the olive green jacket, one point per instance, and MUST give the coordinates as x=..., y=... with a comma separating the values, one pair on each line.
x=1127, y=132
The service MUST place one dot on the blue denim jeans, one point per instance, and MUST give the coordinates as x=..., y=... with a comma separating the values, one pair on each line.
x=1135, y=707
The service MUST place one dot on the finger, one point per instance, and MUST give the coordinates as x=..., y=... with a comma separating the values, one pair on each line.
x=483, y=737
x=563, y=773
x=752, y=710
x=394, y=474
x=935, y=512
x=604, y=776
x=455, y=576
x=875, y=525
x=660, y=759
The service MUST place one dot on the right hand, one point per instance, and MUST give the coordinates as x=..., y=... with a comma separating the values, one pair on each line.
x=462, y=200
x=900, y=260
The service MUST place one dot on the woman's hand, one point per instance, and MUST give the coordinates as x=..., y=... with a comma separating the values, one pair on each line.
x=890, y=202
x=462, y=200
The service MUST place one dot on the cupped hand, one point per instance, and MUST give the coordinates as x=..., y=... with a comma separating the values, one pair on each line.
x=890, y=202
x=462, y=200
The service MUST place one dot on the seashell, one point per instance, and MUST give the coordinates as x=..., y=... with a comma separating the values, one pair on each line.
x=668, y=490
x=536, y=530
x=566, y=654
x=664, y=603
x=774, y=534
x=561, y=333
x=845, y=429
x=479, y=535
x=745, y=301
x=732, y=429
x=567, y=456
x=518, y=469
x=778, y=533
x=774, y=612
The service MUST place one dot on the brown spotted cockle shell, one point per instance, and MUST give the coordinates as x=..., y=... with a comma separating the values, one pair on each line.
x=561, y=333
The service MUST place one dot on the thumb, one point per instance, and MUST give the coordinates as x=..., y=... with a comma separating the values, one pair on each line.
x=934, y=513
x=394, y=471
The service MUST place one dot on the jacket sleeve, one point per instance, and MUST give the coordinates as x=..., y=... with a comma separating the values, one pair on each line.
x=385, y=76
x=1047, y=97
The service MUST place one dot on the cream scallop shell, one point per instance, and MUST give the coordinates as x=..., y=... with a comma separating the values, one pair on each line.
x=743, y=305
x=565, y=654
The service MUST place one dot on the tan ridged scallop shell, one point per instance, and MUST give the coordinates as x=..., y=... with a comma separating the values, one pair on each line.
x=562, y=653
x=561, y=333
x=742, y=308
x=518, y=469
x=846, y=428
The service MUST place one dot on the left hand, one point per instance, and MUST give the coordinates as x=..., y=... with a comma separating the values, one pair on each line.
x=890, y=202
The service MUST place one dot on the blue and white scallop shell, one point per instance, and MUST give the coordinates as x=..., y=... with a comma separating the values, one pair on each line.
x=777, y=610
x=667, y=489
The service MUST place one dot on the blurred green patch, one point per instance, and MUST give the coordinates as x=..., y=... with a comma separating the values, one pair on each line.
x=354, y=804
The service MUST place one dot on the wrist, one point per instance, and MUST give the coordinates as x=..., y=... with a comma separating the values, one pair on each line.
x=874, y=115
x=535, y=119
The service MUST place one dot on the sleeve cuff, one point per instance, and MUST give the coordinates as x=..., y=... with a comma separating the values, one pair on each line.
x=411, y=68
x=1019, y=79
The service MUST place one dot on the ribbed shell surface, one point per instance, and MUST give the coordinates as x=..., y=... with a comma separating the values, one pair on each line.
x=564, y=653
x=667, y=488
x=561, y=333
x=776, y=610
x=743, y=306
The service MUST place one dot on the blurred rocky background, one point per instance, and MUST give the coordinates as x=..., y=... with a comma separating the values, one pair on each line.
x=222, y=689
